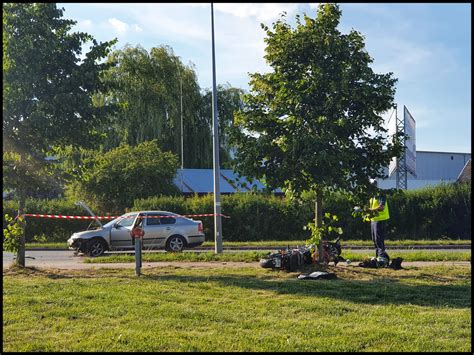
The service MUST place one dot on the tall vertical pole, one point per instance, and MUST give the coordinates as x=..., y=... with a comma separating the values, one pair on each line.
x=182, y=133
x=397, y=169
x=401, y=177
x=215, y=134
x=181, y=114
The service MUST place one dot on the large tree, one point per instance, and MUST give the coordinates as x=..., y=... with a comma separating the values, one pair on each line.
x=314, y=123
x=154, y=90
x=47, y=92
x=229, y=101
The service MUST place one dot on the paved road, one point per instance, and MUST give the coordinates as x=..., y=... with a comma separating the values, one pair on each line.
x=65, y=259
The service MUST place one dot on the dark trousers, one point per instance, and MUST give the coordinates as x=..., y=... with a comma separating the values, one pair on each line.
x=378, y=230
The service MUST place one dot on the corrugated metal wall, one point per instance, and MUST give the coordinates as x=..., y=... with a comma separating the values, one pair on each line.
x=432, y=168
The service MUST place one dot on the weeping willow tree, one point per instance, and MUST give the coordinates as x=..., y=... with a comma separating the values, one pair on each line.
x=149, y=88
x=229, y=103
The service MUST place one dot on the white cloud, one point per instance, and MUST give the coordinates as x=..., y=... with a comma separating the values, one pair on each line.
x=172, y=21
x=410, y=61
x=137, y=28
x=119, y=26
x=262, y=11
x=83, y=26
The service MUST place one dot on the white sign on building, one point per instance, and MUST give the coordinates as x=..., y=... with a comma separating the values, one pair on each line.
x=410, y=143
x=392, y=130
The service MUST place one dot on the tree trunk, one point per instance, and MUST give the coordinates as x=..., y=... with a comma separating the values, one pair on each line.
x=318, y=220
x=20, y=255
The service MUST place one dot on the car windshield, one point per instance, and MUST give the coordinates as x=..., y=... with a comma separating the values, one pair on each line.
x=124, y=221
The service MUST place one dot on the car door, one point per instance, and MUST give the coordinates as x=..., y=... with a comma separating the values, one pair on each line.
x=155, y=230
x=120, y=233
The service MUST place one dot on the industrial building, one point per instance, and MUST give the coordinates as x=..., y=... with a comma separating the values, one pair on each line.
x=432, y=168
x=201, y=181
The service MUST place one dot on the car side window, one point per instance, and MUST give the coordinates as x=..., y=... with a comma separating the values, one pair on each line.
x=152, y=219
x=168, y=220
x=127, y=221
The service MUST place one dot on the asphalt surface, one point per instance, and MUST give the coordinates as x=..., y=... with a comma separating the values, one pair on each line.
x=65, y=259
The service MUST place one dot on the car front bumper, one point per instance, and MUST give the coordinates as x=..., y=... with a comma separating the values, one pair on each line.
x=74, y=244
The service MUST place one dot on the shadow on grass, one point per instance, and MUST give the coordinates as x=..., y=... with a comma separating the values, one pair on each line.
x=383, y=291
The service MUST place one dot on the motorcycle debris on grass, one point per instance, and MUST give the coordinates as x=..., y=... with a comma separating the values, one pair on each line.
x=295, y=259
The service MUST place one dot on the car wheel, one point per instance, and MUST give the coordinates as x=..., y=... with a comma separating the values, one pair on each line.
x=96, y=248
x=175, y=243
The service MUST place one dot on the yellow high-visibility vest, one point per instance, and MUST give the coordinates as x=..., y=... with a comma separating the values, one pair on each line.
x=382, y=215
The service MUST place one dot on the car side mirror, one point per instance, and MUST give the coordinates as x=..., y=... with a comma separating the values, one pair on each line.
x=117, y=226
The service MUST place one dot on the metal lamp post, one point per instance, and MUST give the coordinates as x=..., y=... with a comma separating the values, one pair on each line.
x=215, y=133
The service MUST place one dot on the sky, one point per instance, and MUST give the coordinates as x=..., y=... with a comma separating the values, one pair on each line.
x=426, y=46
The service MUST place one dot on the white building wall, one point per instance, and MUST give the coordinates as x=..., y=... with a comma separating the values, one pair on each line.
x=432, y=168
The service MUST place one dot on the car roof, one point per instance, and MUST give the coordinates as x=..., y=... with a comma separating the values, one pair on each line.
x=148, y=212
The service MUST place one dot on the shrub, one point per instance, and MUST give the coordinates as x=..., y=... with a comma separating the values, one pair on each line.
x=113, y=180
x=55, y=230
x=433, y=212
x=430, y=213
x=253, y=216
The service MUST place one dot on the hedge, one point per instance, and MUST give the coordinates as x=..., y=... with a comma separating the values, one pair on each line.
x=253, y=216
x=437, y=212
x=53, y=229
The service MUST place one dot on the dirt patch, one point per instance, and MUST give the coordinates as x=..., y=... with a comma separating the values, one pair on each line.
x=209, y=264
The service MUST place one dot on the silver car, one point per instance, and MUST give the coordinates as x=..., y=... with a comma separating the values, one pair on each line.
x=162, y=230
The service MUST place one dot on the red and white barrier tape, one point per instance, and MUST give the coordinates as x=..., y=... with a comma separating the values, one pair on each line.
x=112, y=217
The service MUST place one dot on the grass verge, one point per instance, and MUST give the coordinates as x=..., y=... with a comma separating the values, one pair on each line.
x=276, y=243
x=180, y=309
x=256, y=256
x=346, y=242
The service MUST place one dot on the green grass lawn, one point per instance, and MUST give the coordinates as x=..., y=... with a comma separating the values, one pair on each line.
x=246, y=309
x=353, y=255
x=63, y=245
x=347, y=242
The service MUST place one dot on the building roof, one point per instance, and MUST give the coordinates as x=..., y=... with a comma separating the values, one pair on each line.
x=202, y=181
x=465, y=174
x=437, y=151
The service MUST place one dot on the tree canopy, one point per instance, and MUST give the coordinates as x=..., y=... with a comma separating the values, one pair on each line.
x=111, y=181
x=47, y=93
x=47, y=87
x=229, y=101
x=149, y=88
x=315, y=121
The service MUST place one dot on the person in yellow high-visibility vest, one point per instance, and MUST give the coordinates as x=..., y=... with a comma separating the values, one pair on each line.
x=378, y=224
